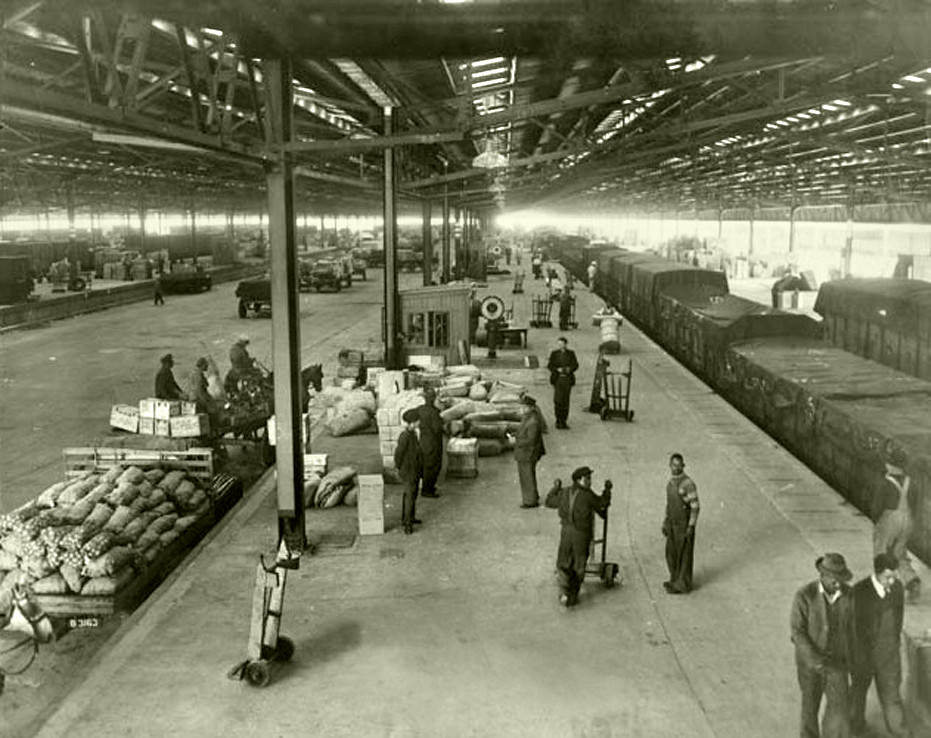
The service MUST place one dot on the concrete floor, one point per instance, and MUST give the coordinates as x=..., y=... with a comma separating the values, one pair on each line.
x=456, y=630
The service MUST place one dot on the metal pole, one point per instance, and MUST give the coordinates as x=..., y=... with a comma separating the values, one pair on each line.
x=792, y=228
x=193, y=230
x=848, y=243
x=142, y=212
x=389, y=210
x=750, y=246
x=446, y=250
x=286, y=325
x=427, y=245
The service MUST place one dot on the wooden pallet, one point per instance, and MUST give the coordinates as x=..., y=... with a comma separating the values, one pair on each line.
x=196, y=462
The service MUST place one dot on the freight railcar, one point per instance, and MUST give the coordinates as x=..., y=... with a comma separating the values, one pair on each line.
x=840, y=413
x=887, y=320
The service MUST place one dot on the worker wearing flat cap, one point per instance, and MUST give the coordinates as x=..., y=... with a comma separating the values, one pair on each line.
x=577, y=506
x=822, y=627
x=528, y=450
x=408, y=460
x=166, y=388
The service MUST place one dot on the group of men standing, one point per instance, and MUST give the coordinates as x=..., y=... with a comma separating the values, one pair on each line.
x=418, y=457
x=845, y=639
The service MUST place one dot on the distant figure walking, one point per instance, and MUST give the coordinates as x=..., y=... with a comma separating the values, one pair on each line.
x=159, y=298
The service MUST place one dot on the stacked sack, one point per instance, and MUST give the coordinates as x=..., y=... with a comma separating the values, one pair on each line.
x=348, y=410
x=493, y=422
x=91, y=535
x=339, y=486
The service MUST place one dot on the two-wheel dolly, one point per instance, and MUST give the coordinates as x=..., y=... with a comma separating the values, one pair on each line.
x=267, y=649
x=606, y=571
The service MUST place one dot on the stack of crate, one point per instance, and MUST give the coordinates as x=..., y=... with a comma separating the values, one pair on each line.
x=388, y=416
x=315, y=464
x=371, y=505
x=350, y=365
x=169, y=418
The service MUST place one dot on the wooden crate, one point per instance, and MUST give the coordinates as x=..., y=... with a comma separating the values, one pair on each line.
x=196, y=462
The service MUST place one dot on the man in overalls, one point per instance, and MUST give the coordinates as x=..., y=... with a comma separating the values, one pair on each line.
x=894, y=525
x=679, y=527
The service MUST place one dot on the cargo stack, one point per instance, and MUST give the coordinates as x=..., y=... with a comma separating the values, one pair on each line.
x=167, y=418
x=350, y=368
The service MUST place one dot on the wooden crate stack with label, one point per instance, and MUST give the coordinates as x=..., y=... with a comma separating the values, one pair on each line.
x=167, y=418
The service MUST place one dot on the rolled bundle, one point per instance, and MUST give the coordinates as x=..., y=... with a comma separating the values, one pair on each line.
x=483, y=416
x=511, y=413
x=490, y=446
x=349, y=422
x=496, y=430
x=50, y=496
x=478, y=391
x=457, y=411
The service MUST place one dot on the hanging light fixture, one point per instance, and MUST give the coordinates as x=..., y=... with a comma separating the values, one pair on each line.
x=490, y=158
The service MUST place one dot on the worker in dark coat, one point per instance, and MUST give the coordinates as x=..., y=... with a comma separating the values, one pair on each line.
x=565, y=309
x=475, y=313
x=878, y=610
x=822, y=627
x=431, y=443
x=562, y=365
x=577, y=506
x=682, y=509
x=408, y=460
x=528, y=450
x=894, y=523
x=166, y=388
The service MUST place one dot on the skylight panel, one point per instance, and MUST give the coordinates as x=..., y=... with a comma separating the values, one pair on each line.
x=489, y=82
x=489, y=72
x=487, y=62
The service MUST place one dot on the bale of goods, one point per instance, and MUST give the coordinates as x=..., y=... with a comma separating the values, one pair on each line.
x=478, y=391
x=483, y=416
x=462, y=457
x=494, y=430
x=610, y=336
x=490, y=447
x=347, y=423
x=333, y=487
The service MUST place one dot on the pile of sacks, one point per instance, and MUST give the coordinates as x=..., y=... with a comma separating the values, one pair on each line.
x=339, y=486
x=347, y=411
x=487, y=410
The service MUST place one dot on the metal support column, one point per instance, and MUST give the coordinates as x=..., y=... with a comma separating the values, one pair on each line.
x=847, y=254
x=286, y=325
x=446, y=243
x=389, y=210
x=142, y=213
x=428, y=260
x=792, y=211
x=193, y=230
x=750, y=244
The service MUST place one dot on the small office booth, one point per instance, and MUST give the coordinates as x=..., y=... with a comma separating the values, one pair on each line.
x=434, y=320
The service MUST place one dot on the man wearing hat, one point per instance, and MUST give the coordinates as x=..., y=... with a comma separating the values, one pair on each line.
x=197, y=387
x=879, y=610
x=408, y=460
x=592, y=273
x=528, y=449
x=166, y=388
x=563, y=365
x=239, y=356
x=894, y=524
x=577, y=506
x=431, y=442
x=822, y=627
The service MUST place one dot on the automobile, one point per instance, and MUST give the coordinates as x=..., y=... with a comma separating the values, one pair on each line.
x=255, y=295
x=323, y=273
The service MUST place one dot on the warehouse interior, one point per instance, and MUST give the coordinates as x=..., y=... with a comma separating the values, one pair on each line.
x=356, y=170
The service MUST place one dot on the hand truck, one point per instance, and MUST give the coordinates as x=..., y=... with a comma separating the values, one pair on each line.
x=606, y=571
x=540, y=312
x=616, y=393
x=266, y=647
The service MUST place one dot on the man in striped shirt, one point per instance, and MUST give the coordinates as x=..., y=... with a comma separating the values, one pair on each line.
x=679, y=526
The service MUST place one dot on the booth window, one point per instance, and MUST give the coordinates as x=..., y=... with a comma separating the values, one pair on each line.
x=439, y=330
x=428, y=329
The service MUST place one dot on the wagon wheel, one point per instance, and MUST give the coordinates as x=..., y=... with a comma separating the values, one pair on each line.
x=257, y=673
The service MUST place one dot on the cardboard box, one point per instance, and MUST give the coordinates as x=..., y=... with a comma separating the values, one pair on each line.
x=189, y=426
x=188, y=408
x=125, y=417
x=147, y=407
x=167, y=409
x=387, y=461
x=387, y=447
x=162, y=427
x=315, y=464
x=371, y=505
x=147, y=426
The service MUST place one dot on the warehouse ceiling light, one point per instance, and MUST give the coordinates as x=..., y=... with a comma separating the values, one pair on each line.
x=490, y=158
